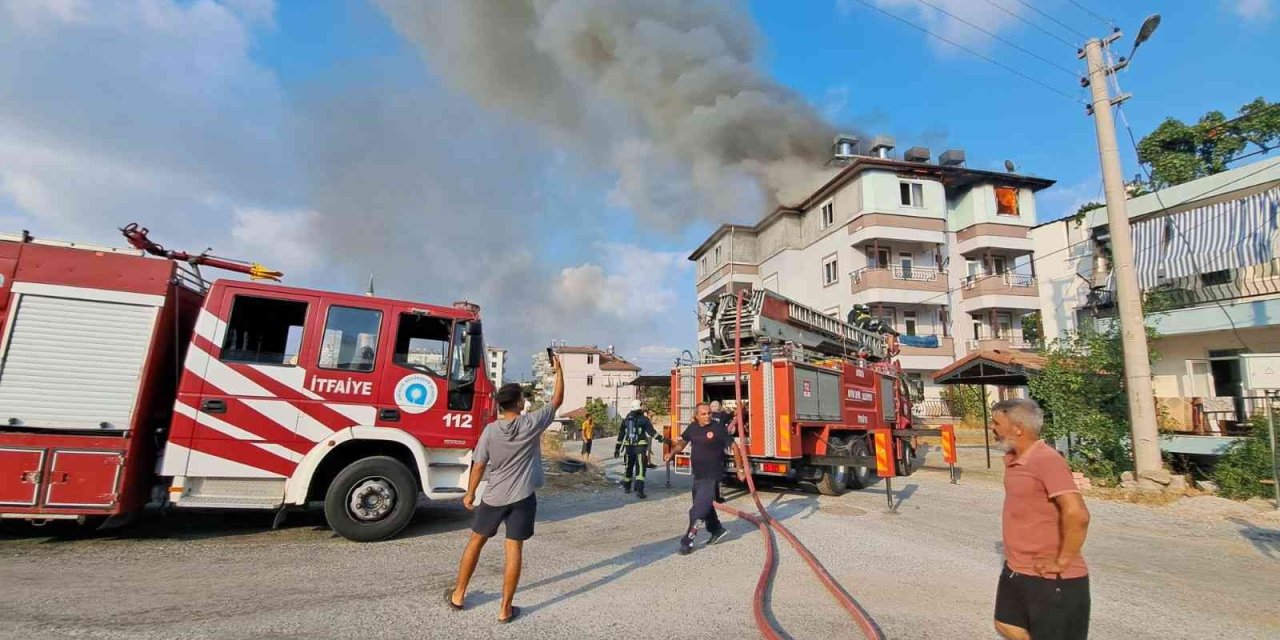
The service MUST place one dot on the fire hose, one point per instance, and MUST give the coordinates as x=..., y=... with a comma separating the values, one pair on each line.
x=768, y=525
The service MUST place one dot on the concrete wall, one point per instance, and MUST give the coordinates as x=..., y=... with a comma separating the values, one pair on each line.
x=880, y=193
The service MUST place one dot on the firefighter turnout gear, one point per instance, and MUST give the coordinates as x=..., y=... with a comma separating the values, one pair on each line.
x=634, y=438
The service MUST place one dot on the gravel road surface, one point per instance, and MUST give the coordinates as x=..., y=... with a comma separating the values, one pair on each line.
x=603, y=565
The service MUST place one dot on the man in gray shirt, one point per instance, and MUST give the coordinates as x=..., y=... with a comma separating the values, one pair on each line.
x=510, y=449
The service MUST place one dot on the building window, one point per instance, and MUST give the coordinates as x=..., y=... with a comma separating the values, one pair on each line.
x=591, y=380
x=350, y=339
x=1004, y=325
x=878, y=257
x=909, y=322
x=717, y=256
x=591, y=358
x=887, y=315
x=1007, y=201
x=912, y=194
x=828, y=214
x=945, y=322
x=1215, y=278
x=999, y=265
x=702, y=265
x=830, y=272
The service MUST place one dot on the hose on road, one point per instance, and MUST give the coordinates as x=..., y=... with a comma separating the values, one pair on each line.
x=768, y=525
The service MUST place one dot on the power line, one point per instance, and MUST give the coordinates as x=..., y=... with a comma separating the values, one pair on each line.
x=970, y=51
x=1042, y=29
x=1051, y=18
x=997, y=38
x=1163, y=208
x=1088, y=11
x=1195, y=262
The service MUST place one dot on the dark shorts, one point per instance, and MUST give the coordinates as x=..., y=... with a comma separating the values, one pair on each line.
x=518, y=516
x=1048, y=608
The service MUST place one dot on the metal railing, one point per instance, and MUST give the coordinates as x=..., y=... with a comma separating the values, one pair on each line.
x=1014, y=342
x=905, y=274
x=1192, y=291
x=932, y=408
x=1014, y=280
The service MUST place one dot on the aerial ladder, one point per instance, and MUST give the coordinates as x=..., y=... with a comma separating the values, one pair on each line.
x=771, y=318
x=138, y=239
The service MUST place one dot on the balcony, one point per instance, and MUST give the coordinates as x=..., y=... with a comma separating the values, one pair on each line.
x=919, y=357
x=1000, y=291
x=946, y=346
x=871, y=227
x=901, y=285
x=1003, y=343
x=988, y=235
x=1234, y=299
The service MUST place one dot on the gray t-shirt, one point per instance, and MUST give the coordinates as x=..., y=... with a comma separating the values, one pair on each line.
x=512, y=453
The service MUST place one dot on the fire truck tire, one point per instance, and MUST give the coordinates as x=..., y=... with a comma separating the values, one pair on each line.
x=371, y=499
x=834, y=481
x=860, y=477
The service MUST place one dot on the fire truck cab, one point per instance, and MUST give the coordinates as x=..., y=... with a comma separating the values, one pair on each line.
x=127, y=379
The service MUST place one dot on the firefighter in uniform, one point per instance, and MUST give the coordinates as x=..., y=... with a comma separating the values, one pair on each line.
x=634, y=437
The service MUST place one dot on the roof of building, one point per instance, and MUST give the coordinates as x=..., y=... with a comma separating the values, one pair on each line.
x=608, y=361
x=956, y=177
x=993, y=366
x=576, y=414
x=1235, y=183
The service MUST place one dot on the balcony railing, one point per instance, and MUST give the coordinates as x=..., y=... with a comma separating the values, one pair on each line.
x=899, y=272
x=999, y=283
x=1200, y=289
x=932, y=408
x=1004, y=342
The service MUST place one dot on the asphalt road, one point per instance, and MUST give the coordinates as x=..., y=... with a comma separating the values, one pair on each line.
x=603, y=565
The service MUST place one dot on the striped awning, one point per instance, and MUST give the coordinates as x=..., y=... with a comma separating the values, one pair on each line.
x=1226, y=235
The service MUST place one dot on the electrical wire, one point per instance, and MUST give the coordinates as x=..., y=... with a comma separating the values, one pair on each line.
x=1033, y=25
x=1109, y=23
x=1195, y=262
x=1040, y=258
x=997, y=38
x=961, y=47
x=1051, y=18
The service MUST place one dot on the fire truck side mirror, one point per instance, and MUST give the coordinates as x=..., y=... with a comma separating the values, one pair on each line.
x=475, y=345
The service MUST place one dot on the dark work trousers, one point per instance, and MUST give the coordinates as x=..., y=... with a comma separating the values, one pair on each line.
x=586, y=447
x=703, y=510
x=634, y=458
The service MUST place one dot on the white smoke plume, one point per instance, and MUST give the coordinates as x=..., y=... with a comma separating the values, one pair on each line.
x=668, y=93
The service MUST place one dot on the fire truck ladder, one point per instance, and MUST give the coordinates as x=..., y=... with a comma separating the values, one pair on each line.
x=768, y=316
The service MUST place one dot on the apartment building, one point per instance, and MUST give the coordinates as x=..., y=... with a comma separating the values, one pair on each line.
x=590, y=373
x=940, y=251
x=1205, y=253
x=497, y=358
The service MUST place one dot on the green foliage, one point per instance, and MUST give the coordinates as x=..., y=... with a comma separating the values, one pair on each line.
x=605, y=425
x=657, y=400
x=1178, y=152
x=1081, y=388
x=1239, y=472
x=964, y=402
x=1078, y=216
x=1032, y=332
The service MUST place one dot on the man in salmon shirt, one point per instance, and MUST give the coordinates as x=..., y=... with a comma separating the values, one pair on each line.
x=1043, y=593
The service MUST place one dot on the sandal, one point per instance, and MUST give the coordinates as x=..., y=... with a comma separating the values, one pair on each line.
x=515, y=613
x=448, y=598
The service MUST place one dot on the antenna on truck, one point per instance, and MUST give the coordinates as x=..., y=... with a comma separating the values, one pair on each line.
x=137, y=237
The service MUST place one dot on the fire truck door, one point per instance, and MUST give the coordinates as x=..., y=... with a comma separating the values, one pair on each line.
x=344, y=369
x=245, y=417
x=415, y=387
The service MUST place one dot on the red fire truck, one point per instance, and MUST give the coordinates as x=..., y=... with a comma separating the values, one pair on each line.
x=824, y=401
x=127, y=379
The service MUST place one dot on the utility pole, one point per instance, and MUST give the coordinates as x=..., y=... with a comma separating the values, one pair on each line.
x=1137, y=365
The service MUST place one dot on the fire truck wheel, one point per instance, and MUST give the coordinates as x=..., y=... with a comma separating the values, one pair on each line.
x=834, y=481
x=371, y=499
x=860, y=477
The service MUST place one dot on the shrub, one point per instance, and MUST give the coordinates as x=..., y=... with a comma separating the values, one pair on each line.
x=1240, y=471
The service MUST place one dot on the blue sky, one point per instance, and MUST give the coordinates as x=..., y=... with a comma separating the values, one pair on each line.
x=317, y=137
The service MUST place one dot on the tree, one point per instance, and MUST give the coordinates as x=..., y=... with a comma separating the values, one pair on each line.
x=1032, y=329
x=657, y=400
x=599, y=411
x=1081, y=388
x=1178, y=152
x=1078, y=216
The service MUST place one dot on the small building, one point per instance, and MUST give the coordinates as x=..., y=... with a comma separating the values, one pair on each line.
x=497, y=361
x=1206, y=260
x=590, y=373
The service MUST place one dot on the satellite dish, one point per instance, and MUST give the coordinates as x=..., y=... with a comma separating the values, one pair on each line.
x=1008, y=166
